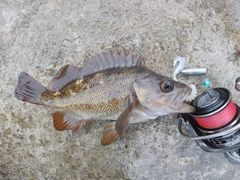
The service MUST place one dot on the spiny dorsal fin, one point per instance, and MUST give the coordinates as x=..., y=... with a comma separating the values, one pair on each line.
x=97, y=63
x=64, y=76
x=108, y=60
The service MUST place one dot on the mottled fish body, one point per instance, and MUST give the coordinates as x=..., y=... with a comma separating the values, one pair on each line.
x=102, y=95
x=111, y=86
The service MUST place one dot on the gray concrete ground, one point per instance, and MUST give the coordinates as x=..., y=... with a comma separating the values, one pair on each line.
x=41, y=36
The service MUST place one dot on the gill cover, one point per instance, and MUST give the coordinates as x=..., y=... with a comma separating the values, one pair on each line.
x=161, y=95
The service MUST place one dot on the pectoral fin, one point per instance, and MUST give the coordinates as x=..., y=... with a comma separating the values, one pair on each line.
x=64, y=121
x=112, y=131
x=123, y=121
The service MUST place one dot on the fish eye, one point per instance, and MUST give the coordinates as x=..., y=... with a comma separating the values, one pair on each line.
x=166, y=86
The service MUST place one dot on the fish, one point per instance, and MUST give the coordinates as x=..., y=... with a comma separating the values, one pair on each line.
x=112, y=85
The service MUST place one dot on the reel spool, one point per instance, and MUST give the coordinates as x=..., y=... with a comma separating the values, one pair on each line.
x=215, y=125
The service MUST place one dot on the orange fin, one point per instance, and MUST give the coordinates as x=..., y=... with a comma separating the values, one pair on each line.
x=64, y=76
x=64, y=121
x=29, y=89
x=109, y=134
x=113, y=131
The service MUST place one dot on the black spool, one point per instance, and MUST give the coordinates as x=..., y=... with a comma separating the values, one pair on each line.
x=225, y=139
x=210, y=101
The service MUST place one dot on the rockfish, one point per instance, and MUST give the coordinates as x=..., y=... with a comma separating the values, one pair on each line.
x=110, y=86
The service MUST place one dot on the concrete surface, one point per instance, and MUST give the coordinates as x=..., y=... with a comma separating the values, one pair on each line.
x=41, y=36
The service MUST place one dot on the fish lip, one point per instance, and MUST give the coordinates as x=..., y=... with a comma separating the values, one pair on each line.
x=179, y=103
x=186, y=108
x=185, y=93
x=182, y=95
x=189, y=91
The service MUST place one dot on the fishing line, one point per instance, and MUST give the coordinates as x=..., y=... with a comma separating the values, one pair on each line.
x=215, y=125
x=218, y=119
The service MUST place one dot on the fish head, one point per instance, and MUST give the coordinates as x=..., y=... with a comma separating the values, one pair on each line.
x=159, y=95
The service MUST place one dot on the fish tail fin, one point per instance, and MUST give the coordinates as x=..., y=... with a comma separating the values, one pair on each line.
x=29, y=89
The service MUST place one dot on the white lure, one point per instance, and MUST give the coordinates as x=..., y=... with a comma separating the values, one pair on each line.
x=179, y=68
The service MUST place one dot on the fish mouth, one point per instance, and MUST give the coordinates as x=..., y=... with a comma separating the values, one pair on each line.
x=180, y=104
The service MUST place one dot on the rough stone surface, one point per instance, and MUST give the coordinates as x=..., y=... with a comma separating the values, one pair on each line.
x=41, y=36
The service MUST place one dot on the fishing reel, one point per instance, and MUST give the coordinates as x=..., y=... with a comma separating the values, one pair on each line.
x=215, y=125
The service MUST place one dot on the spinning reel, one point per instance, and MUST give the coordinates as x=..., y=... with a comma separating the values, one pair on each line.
x=215, y=125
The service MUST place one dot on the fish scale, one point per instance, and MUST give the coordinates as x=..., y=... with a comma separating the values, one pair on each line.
x=110, y=86
x=97, y=93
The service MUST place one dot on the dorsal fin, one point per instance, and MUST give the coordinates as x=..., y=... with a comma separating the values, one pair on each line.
x=64, y=76
x=99, y=62
x=108, y=60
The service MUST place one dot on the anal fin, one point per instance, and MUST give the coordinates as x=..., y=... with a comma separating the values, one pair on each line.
x=65, y=121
